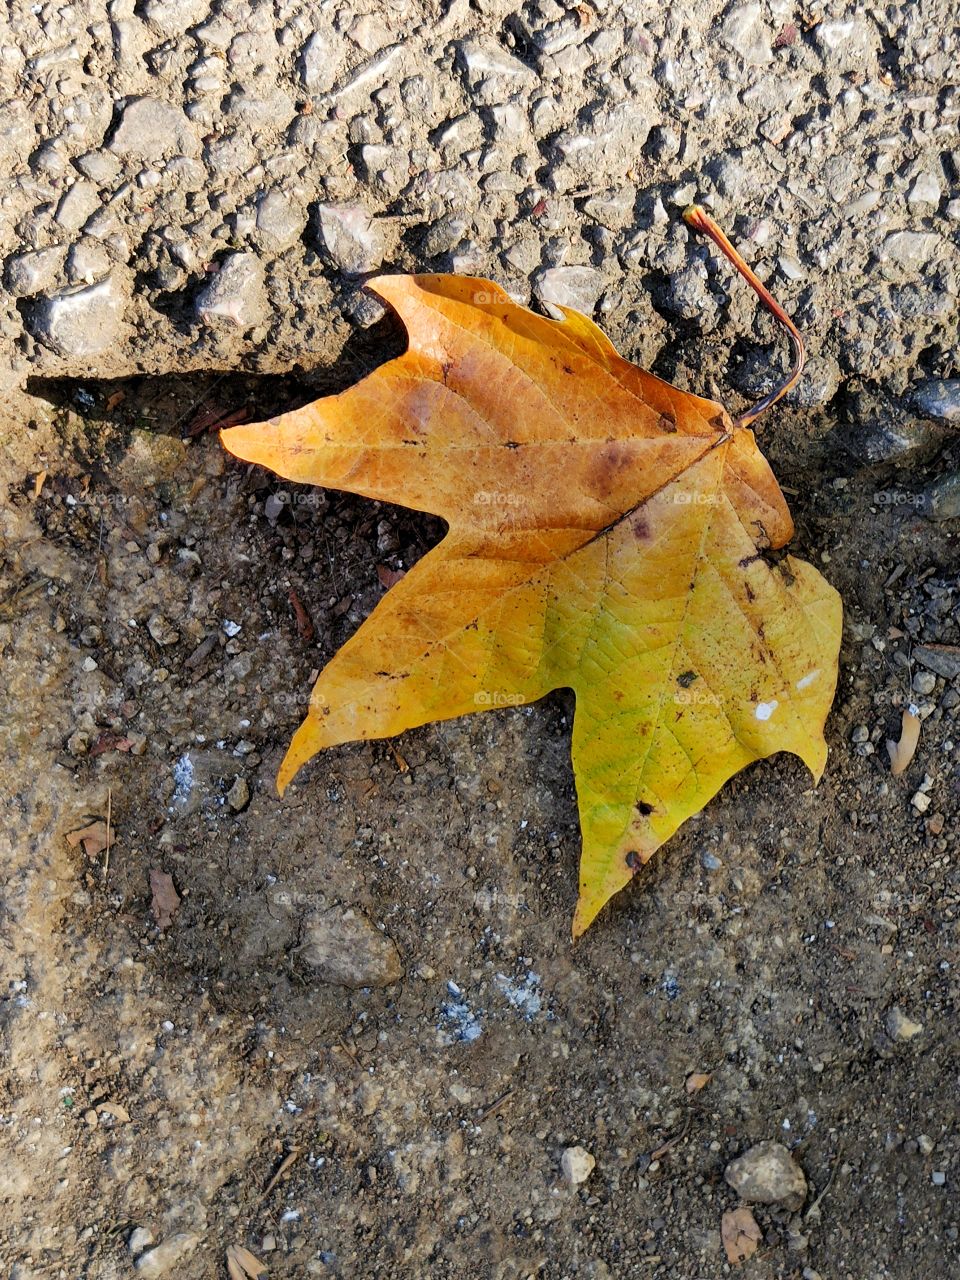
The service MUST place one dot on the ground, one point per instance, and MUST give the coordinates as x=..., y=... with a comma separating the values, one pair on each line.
x=195, y=194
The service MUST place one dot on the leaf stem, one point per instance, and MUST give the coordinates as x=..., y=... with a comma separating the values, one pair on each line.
x=701, y=221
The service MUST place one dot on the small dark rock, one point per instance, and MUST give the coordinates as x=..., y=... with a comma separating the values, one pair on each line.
x=939, y=398
x=942, y=659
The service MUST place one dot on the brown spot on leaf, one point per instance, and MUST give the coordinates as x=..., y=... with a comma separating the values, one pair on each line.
x=608, y=461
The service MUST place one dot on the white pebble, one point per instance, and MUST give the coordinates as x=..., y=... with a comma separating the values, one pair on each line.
x=576, y=1165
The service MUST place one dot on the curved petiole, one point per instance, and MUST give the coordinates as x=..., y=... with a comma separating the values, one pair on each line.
x=701, y=221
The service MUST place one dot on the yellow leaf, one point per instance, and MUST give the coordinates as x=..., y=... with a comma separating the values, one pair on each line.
x=607, y=534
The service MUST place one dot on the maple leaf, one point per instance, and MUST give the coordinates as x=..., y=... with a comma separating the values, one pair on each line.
x=607, y=533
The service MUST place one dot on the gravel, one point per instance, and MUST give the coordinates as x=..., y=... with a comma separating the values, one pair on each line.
x=30, y=273
x=941, y=501
x=900, y=1027
x=577, y=287
x=162, y=1260
x=149, y=129
x=546, y=149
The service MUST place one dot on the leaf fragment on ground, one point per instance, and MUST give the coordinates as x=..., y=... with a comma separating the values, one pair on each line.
x=698, y=1080
x=242, y=1265
x=165, y=900
x=111, y=742
x=94, y=838
x=114, y=1109
x=389, y=577
x=740, y=1235
x=607, y=533
x=902, y=752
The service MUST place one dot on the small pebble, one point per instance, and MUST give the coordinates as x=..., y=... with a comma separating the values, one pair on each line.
x=79, y=322
x=238, y=797
x=235, y=295
x=576, y=1164
x=139, y=1239
x=900, y=1027
x=768, y=1174
x=162, y=1260
x=352, y=241
x=939, y=399
x=162, y=630
x=924, y=682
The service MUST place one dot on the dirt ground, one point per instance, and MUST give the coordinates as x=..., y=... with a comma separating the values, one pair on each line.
x=168, y=1092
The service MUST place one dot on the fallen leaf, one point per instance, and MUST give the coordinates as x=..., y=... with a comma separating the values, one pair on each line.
x=607, y=533
x=389, y=577
x=242, y=1265
x=280, y=1170
x=165, y=899
x=38, y=480
x=902, y=752
x=94, y=838
x=698, y=1080
x=110, y=742
x=114, y=1109
x=304, y=625
x=740, y=1235
x=210, y=417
